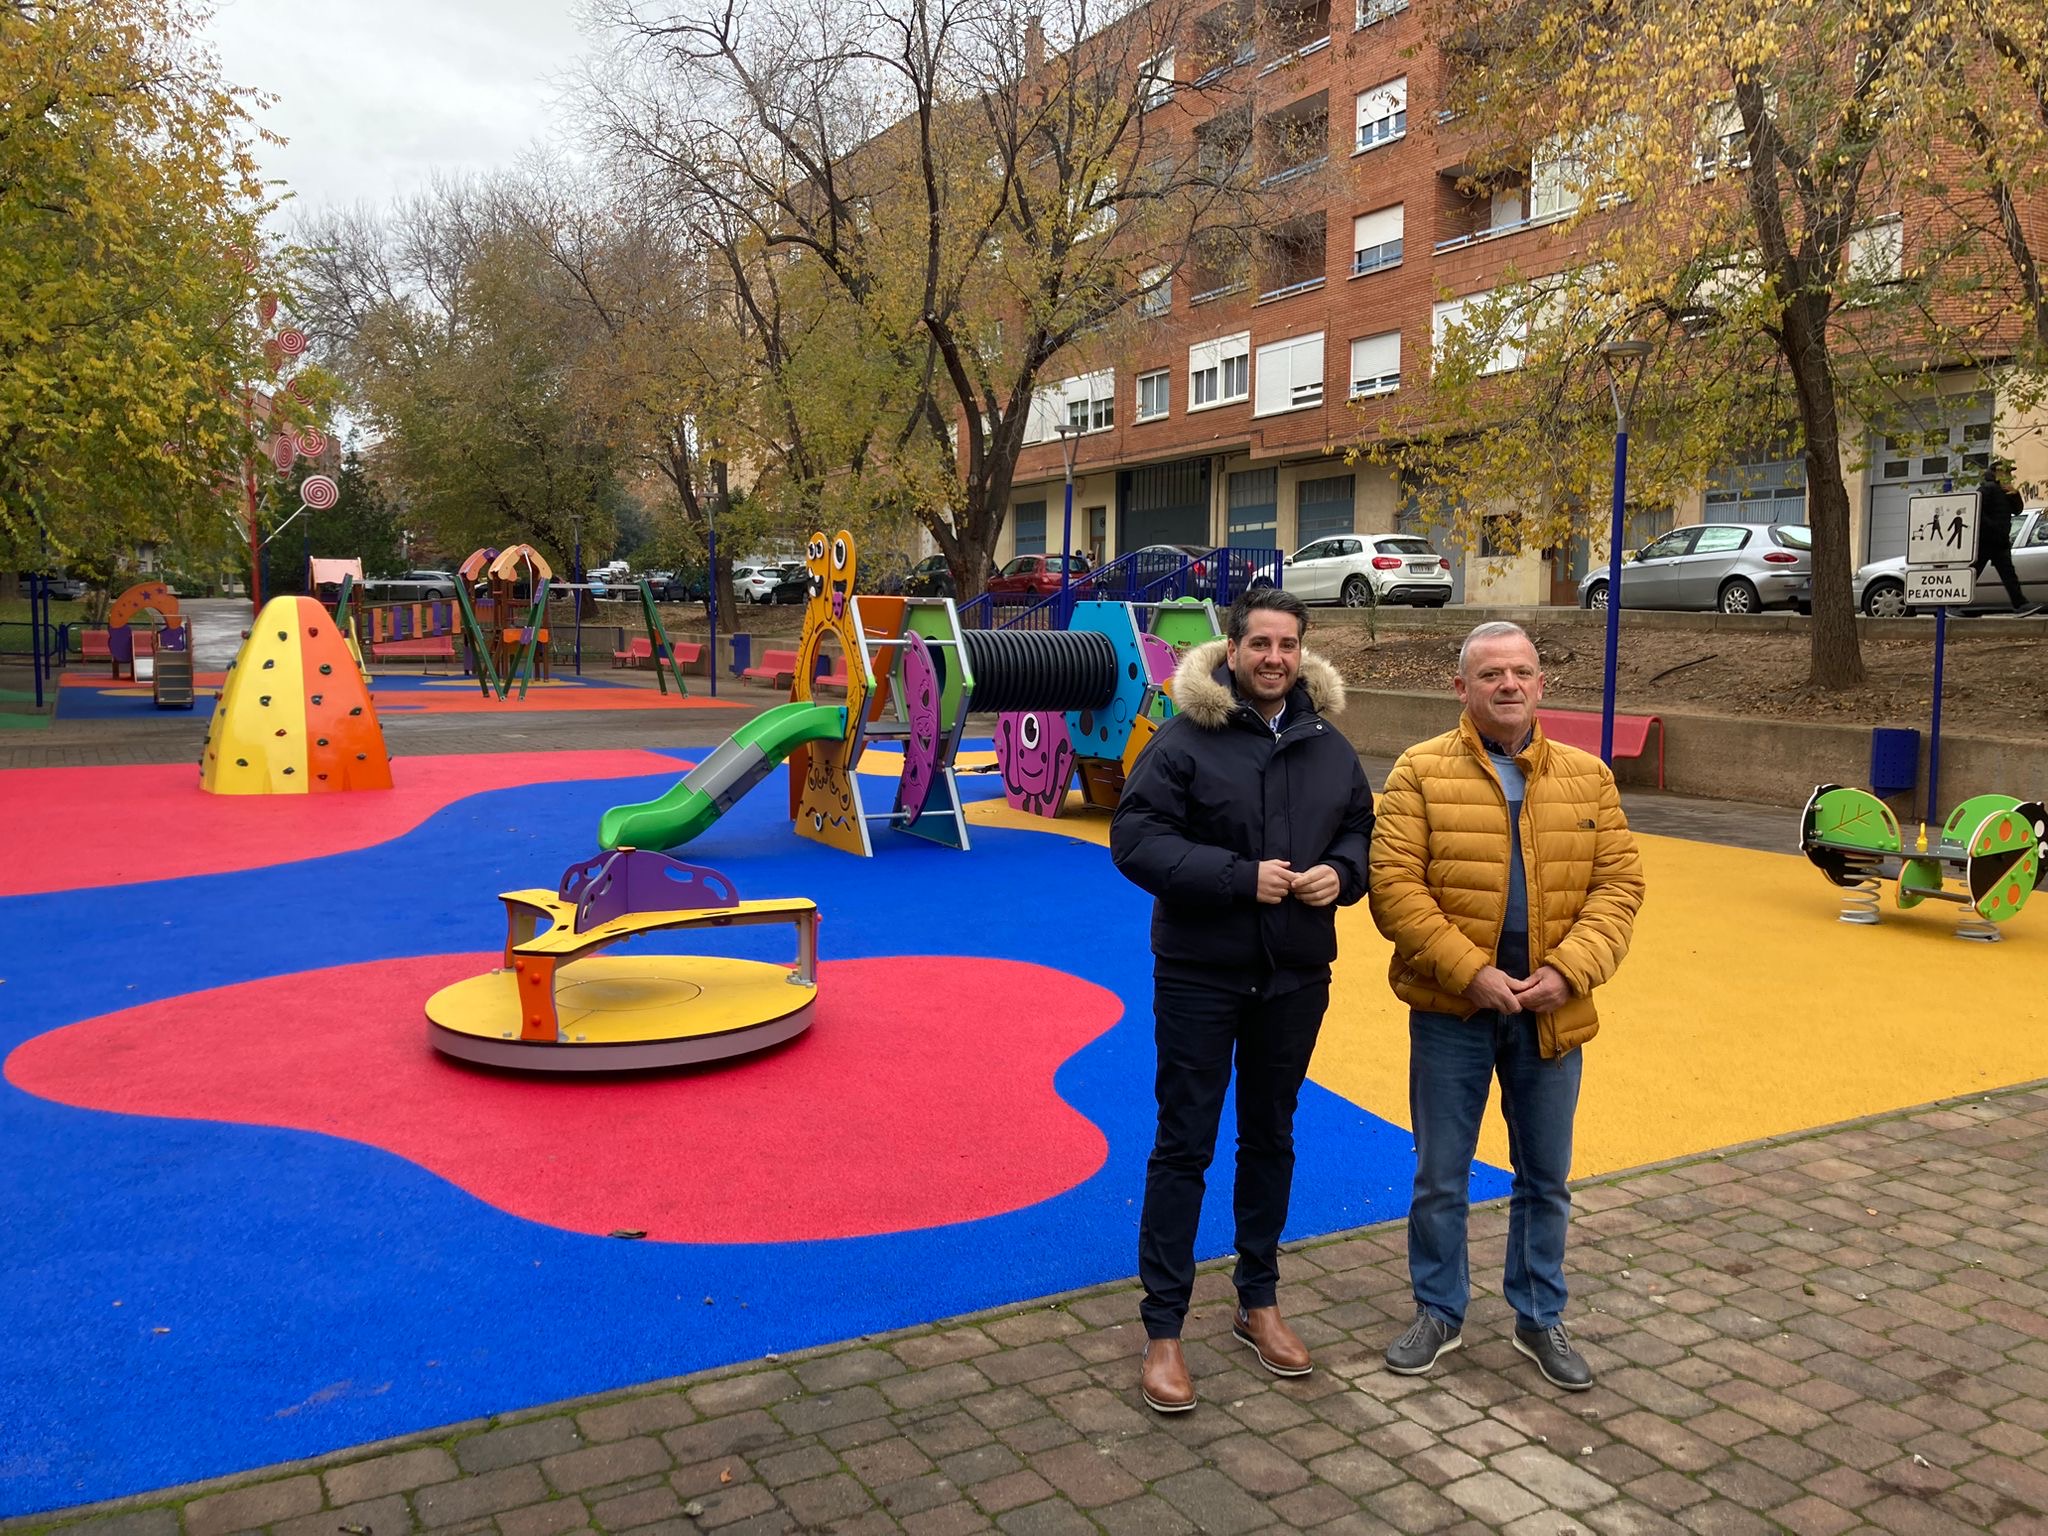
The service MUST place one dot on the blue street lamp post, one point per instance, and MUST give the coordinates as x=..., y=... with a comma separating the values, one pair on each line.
x=1631, y=351
x=1068, y=433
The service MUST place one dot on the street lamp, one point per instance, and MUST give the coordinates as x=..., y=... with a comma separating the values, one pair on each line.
x=1631, y=352
x=576, y=583
x=1070, y=434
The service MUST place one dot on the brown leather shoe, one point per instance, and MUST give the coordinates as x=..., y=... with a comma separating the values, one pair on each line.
x=1165, y=1380
x=1278, y=1346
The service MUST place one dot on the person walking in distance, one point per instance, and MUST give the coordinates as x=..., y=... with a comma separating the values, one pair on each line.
x=1249, y=821
x=1505, y=874
x=1998, y=508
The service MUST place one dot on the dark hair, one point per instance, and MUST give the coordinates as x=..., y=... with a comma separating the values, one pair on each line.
x=1274, y=598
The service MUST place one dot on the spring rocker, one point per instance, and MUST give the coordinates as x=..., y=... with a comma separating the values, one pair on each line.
x=1992, y=846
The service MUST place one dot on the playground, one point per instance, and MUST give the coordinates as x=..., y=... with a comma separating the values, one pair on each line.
x=247, y=1178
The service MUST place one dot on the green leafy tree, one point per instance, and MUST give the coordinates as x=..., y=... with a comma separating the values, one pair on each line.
x=129, y=205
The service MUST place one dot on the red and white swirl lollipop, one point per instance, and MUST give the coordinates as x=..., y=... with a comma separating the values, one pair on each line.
x=291, y=341
x=319, y=492
x=312, y=442
x=283, y=449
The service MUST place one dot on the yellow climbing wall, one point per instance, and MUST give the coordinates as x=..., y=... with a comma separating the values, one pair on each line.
x=295, y=716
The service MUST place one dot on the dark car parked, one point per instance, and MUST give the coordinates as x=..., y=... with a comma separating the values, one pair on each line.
x=795, y=585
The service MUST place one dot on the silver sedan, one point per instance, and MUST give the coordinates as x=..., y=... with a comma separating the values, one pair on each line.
x=1733, y=567
x=1881, y=585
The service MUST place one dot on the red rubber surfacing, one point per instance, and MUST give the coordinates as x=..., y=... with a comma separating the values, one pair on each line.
x=919, y=1097
x=68, y=829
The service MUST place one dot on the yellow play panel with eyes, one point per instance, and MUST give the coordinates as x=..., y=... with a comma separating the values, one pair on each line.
x=1744, y=1009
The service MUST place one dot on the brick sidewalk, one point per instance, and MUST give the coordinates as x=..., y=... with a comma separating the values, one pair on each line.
x=1845, y=1331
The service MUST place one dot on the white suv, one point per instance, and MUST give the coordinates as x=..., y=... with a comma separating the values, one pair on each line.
x=755, y=583
x=1361, y=570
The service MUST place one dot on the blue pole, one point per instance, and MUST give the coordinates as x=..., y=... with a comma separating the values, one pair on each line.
x=711, y=600
x=1067, y=558
x=1614, y=592
x=37, y=596
x=1934, y=737
x=576, y=575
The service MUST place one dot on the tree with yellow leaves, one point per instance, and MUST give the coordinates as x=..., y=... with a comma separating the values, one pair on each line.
x=129, y=213
x=1788, y=202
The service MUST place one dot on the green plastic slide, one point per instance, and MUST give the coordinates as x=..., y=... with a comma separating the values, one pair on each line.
x=711, y=788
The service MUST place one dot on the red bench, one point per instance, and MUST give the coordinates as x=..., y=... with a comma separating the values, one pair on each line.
x=689, y=653
x=425, y=648
x=1631, y=733
x=93, y=647
x=639, y=649
x=836, y=676
x=777, y=669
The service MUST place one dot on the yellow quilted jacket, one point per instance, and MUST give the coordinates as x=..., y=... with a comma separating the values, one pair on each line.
x=1440, y=874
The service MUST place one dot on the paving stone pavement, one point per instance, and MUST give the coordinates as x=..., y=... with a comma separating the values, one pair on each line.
x=1840, y=1332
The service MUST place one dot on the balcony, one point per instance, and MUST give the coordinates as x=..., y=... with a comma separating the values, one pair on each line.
x=1294, y=141
x=1293, y=29
x=1292, y=257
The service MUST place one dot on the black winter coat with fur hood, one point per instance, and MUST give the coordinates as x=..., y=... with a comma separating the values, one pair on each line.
x=1213, y=794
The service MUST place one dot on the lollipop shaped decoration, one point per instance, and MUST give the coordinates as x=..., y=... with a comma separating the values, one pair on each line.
x=319, y=492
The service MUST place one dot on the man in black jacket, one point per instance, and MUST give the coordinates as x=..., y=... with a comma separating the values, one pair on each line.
x=1998, y=507
x=1248, y=818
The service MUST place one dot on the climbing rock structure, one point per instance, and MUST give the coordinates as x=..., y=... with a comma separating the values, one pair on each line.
x=295, y=716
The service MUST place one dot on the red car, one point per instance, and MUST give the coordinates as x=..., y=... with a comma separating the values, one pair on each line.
x=1037, y=575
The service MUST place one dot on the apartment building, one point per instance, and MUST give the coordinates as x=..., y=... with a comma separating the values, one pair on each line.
x=1226, y=416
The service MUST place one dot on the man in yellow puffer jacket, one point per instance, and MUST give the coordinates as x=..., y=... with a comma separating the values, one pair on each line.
x=1507, y=877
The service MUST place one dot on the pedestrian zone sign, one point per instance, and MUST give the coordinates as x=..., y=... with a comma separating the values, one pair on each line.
x=1941, y=586
x=1942, y=530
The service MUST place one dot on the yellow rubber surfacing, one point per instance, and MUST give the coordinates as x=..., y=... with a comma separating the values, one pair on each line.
x=1744, y=1009
x=630, y=999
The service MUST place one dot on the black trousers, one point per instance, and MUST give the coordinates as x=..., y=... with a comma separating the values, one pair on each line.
x=1199, y=1030
x=2001, y=561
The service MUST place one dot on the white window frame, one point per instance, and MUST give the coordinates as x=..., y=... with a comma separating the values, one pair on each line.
x=1556, y=172
x=1371, y=12
x=1384, y=110
x=1376, y=353
x=1445, y=316
x=1093, y=394
x=1156, y=81
x=1225, y=363
x=1155, y=293
x=1163, y=379
x=1290, y=375
x=1876, y=252
x=1380, y=234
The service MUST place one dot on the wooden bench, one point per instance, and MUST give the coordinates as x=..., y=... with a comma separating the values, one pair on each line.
x=639, y=650
x=1631, y=733
x=424, y=648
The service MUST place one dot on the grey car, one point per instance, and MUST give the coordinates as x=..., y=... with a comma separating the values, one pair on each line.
x=1732, y=567
x=1881, y=584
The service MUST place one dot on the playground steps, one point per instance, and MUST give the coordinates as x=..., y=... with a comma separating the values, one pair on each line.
x=174, y=678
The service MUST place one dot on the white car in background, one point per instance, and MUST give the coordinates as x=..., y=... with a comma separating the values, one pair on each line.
x=1881, y=584
x=755, y=583
x=1362, y=570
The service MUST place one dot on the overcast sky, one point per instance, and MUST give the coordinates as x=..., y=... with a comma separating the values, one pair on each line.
x=375, y=95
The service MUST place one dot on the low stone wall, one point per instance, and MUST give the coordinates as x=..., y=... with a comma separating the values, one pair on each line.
x=1723, y=757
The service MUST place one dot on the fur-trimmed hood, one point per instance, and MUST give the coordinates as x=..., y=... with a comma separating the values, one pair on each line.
x=1207, y=702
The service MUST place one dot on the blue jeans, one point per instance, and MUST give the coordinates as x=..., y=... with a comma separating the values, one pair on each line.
x=1451, y=1065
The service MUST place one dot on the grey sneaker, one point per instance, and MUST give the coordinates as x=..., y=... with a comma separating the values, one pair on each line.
x=1551, y=1349
x=1427, y=1341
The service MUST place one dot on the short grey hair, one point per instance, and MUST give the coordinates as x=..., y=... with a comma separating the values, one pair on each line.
x=1493, y=629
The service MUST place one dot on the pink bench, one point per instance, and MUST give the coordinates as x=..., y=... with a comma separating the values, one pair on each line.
x=426, y=648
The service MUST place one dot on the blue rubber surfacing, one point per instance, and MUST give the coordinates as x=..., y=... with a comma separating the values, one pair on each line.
x=318, y=1293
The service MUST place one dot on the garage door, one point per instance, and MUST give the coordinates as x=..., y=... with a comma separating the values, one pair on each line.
x=1920, y=458
x=1163, y=504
